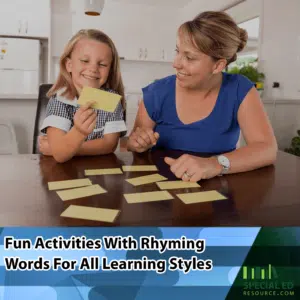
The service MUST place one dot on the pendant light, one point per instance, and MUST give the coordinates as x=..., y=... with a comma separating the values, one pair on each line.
x=93, y=7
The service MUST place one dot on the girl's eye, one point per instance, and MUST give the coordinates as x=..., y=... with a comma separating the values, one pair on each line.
x=102, y=65
x=84, y=61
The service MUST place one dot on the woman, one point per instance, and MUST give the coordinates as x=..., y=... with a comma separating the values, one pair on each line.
x=202, y=109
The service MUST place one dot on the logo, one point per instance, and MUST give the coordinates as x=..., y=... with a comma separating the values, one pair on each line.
x=267, y=273
x=266, y=281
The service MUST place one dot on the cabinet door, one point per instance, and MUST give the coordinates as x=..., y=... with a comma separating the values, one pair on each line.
x=35, y=17
x=9, y=23
x=25, y=18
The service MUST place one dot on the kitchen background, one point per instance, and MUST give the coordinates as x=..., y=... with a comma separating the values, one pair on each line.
x=33, y=34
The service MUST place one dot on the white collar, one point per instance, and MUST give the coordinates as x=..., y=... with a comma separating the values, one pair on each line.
x=63, y=99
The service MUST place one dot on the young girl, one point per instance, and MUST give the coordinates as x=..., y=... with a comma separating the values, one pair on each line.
x=89, y=59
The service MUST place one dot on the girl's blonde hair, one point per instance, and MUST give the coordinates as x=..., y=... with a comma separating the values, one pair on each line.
x=215, y=34
x=64, y=80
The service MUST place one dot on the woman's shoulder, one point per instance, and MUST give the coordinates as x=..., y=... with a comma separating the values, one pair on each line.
x=237, y=86
x=161, y=84
x=237, y=80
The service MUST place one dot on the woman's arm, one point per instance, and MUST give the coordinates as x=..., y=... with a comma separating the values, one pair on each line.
x=261, y=148
x=142, y=136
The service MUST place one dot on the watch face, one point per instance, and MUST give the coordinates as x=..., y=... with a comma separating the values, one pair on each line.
x=224, y=161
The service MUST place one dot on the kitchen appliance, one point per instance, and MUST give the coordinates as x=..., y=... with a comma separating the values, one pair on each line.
x=19, y=67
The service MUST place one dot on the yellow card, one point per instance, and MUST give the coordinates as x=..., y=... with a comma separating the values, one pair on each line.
x=139, y=168
x=90, y=213
x=146, y=179
x=171, y=185
x=104, y=100
x=67, y=184
x=81, y=192
x=103, y=172
x=148, y=197
x=191, y=198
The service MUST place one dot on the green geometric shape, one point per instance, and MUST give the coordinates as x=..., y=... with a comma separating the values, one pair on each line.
x=244, y=272
x=262, y=274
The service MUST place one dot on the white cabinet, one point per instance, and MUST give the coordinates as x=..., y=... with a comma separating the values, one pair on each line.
x=137, y=35
x=27, y=18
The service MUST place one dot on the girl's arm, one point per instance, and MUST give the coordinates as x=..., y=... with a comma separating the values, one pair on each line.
x=65, y=145
x=106, y=145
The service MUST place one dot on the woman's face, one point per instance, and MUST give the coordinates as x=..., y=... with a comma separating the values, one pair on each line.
x=192, y=66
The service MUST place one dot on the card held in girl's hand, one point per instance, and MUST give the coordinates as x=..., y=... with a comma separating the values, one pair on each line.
x=103, y=100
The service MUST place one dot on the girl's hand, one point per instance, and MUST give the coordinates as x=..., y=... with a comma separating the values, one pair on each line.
x=85, y=119
x=142, y=139
x=44, y=146
x=192, y=168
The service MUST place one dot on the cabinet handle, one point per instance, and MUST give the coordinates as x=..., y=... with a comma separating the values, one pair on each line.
x=20, y=25
x=26, y=30
x=163, y=54
x=146, y=53
x=141, y=53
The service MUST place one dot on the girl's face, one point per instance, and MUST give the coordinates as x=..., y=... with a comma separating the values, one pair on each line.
x=89, y=64
x=193, y=67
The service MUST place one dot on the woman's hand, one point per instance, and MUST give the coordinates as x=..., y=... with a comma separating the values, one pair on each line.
x=142, y=139
x=193, y=168
x=44, y=146
x=85, y=119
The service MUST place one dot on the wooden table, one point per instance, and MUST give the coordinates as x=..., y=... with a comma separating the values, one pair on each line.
x=265, y=197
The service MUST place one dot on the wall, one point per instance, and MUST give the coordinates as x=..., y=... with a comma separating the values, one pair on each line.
x=279, y=51
x=281, y=65
x=285, y=120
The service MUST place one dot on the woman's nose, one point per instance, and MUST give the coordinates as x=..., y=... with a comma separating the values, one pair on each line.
x=177, y=62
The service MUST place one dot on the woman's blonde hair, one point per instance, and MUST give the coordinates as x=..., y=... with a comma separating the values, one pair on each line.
x=215, y=34
x=64, y=80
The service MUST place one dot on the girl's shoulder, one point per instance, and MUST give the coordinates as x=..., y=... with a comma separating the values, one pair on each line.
x=58, y=97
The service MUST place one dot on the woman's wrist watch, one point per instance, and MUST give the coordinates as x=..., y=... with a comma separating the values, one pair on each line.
x=225, y=163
